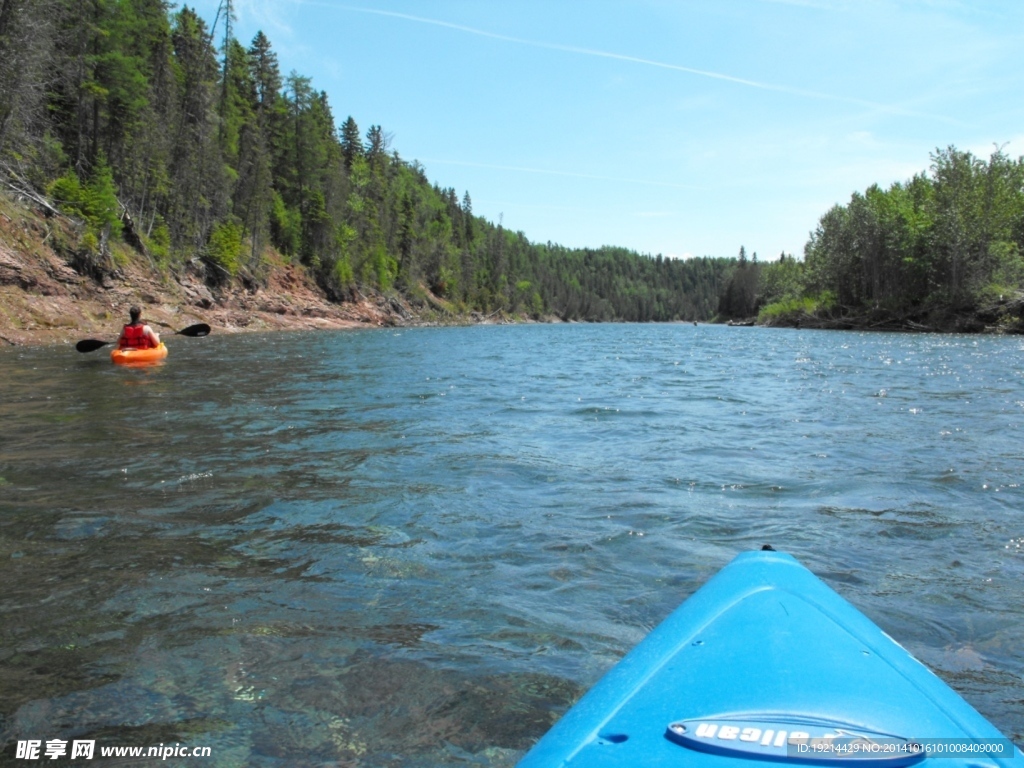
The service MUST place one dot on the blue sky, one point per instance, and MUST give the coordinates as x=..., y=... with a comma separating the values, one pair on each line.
x=685, y=127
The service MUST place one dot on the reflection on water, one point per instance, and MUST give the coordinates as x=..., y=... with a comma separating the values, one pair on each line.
x=419, y=547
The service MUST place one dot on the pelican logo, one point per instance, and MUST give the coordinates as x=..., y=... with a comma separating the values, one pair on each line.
x=794, y=739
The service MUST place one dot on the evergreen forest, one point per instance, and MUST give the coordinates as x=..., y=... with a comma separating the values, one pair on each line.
x=161, y=132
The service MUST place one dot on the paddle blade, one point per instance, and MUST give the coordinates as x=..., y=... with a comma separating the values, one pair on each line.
x=91, y=345
x=199, y=329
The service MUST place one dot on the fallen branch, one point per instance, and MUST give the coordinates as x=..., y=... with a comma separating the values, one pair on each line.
x=917, y=326
x=25, y=191
x=50, y=210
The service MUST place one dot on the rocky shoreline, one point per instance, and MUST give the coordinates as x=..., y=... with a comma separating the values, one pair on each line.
x=52, y=304
x=44, y=300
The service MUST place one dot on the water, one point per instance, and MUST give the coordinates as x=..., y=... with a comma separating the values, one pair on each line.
x=419, y=547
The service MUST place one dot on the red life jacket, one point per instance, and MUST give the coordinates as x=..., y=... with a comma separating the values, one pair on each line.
x=135, y=337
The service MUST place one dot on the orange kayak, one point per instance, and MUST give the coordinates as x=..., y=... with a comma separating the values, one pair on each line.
x=139, y=356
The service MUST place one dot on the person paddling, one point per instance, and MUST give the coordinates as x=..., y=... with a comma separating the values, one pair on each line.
x=137, y=335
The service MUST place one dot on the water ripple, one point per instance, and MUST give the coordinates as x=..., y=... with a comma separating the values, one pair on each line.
x=288, y=539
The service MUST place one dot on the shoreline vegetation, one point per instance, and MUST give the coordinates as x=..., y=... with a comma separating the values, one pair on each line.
x=942, y=252
x=148, y=158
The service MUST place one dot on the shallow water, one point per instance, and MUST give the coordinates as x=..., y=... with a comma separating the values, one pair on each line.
x=418, y=547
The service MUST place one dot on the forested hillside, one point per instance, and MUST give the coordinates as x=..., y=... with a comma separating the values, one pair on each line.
x=161, y=131
x=944, y=250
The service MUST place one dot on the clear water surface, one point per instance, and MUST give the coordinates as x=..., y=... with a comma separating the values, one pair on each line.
x=418, y=547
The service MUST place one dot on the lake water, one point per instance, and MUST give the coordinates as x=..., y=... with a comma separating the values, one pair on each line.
x=419, y=547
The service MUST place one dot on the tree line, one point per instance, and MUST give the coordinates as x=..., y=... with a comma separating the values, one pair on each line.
x=155, y=128
x=951, y=238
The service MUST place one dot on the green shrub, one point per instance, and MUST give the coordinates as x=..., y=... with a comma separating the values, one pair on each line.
x=383, y=268
x=90, y=243
x=342, y=272
x=536, y=304
x=101, y=207
x=791, y=309
x=285, y=227
x=96, y=202
x=68, y=194
x=159, y=243
x=225, y=246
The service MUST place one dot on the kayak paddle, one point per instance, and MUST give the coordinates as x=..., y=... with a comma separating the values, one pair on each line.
x=199, y=329
x=91, y=345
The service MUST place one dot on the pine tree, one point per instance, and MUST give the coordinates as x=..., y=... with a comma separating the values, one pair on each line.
x=265, y=74
x=351, y=143
x=375, y=146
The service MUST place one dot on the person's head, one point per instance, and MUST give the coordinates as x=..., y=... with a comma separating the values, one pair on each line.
x=135, y=313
